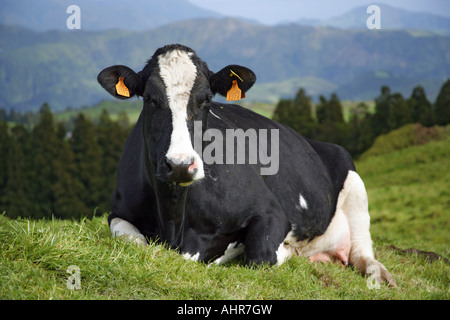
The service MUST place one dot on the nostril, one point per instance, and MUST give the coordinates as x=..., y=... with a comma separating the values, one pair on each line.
x=193, y=166
x=169, y=164
x=182, y=167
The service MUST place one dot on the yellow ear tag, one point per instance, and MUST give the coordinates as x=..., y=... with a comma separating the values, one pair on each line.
x=234, y=93
x=122, y=89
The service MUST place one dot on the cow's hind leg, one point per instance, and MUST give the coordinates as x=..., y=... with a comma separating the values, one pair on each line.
x=353, y=202
x=124, y=229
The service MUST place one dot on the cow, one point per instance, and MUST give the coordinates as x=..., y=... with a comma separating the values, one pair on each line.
x=315, y=205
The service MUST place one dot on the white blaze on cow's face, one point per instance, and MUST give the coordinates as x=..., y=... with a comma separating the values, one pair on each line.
x=178, y=73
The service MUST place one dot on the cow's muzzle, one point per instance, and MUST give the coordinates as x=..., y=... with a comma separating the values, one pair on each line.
x=182, y=169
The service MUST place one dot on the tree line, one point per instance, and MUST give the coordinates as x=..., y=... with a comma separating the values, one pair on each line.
x=47, y=170
x=392, y=110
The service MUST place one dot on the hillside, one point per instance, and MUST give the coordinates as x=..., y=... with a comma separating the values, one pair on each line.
x=404, y=137
x=407, y=175
x=60, y=67
x=408, y=196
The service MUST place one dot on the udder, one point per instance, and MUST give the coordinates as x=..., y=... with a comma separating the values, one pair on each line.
x=340, y=255
x=333, y=245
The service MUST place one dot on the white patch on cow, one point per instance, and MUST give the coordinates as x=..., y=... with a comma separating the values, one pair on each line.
x=354, y=203
x=193, y=257
x=283, y=254
x=179, y=73
x=123, y=229
x=302, y=202
x=233, y=250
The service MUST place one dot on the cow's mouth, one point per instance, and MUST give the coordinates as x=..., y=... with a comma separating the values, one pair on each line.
x=186, y=184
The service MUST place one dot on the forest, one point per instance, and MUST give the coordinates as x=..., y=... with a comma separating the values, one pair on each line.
x=326, y=122
x=68, y=170
x=47, y=170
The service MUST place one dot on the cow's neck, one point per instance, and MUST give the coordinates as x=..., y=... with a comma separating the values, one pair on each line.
x=171, y=211
x=171, y=201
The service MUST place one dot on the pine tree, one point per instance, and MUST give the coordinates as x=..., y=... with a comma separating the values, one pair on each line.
x=67, y=188
x=329, y=110
x=391, y=112
x=420, y=108
x=331, y=126
x=5, y=144
x=382, y=111
x=361, y=136
x=322, y=113
x=399, y=114
x=16, y=197
x=335, y=109
x=3, y=115
x=87, y=156
x=306, y=124
x=286, y=114
x=44, y=158
x=296, y=113
x=442, y=105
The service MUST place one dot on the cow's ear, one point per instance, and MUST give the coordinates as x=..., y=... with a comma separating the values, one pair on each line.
x=121, y=82
x=230, y=78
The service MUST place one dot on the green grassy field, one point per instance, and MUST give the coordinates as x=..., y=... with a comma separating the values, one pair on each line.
x=409, y=196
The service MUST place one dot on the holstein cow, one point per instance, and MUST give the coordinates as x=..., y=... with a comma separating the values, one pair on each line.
x=314, y=205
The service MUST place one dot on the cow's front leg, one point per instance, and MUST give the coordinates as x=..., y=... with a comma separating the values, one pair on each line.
x=264, y=241
x=123, y=229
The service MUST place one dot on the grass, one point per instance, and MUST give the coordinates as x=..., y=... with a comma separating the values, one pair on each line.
x=409, y=193
x=409, y=202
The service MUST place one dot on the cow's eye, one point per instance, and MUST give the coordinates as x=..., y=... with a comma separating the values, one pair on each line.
x=151, y=100
x=147, y=98
x=206, y=102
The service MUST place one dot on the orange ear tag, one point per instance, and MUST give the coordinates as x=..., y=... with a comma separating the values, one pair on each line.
x=122, y=89
x=234, y=93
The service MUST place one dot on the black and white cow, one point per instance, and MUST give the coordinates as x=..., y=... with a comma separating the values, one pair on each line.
x=314, y=206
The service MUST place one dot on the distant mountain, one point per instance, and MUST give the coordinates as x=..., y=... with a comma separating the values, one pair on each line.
x=391, y=18
x=60, y=67
x=43, y=15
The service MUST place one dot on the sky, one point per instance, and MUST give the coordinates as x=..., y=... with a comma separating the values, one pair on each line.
x=276, y=11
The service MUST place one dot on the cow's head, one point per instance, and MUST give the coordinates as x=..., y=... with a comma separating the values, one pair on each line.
x=177, y=88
